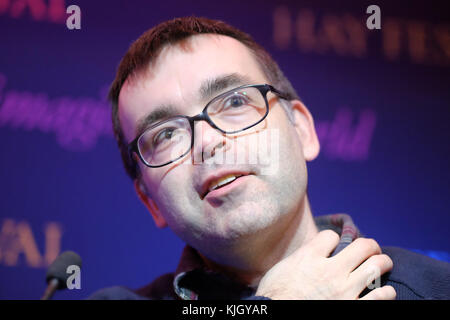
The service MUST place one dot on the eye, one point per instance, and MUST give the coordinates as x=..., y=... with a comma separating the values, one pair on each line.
x=236, y=101
x=164, y=135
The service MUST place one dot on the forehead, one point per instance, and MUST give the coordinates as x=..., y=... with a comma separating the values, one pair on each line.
x=176, y=76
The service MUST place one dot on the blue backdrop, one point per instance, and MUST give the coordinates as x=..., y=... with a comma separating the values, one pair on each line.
x=380, y=99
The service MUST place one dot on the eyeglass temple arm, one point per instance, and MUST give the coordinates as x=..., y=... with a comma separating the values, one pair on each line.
x=132, y=147
x=279, y=93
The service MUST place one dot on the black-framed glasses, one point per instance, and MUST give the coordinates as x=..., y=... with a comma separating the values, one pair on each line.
x=230, y=112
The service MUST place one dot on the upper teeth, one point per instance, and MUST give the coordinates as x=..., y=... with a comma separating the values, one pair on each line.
x=220, y=182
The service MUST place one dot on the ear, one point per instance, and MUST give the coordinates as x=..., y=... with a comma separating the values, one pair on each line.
x=304, y=125
x=150, y=204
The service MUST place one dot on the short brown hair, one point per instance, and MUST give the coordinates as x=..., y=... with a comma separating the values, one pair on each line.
x=147, y=47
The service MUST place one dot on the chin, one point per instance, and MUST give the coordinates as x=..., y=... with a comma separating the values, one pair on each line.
x=245, y=221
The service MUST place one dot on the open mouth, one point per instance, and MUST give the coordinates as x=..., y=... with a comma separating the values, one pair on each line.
x=221, y=182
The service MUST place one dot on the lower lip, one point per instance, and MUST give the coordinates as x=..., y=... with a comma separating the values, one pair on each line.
x=225, y=189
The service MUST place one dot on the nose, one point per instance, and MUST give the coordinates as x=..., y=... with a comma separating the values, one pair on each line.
x=207, y=142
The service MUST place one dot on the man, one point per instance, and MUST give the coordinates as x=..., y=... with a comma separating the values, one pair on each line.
x=191, y=100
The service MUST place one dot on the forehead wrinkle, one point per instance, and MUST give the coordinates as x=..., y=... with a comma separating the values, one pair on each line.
x=215, y=85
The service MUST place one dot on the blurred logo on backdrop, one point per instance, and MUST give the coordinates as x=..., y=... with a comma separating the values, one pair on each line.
x=19, y=243
x=347, y=35
x=343, y=33
x=77, y=123
x=38, y=10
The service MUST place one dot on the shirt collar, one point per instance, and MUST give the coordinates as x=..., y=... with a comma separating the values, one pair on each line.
x=193, y=281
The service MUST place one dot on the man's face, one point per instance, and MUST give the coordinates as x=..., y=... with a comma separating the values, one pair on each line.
x=271, y=190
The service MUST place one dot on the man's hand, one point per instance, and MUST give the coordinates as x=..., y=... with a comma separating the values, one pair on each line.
x=309, y=273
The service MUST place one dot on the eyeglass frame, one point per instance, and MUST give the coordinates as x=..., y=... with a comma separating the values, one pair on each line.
x=203, y=116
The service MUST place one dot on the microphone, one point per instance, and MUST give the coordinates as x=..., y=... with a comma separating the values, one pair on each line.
x=57, y=273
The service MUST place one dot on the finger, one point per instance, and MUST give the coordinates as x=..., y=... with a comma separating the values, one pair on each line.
x=383, y=293
x=323, y=243
x=356, y=253
x=369, y=271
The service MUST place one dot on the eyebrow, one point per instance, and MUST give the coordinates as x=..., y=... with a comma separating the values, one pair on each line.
x=208, y=89
x=212, y=87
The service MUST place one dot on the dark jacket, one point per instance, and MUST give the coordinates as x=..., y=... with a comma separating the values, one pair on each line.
x=414, y=276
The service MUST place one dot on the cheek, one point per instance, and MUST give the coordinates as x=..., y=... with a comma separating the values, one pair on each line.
x=171, y=194
x=280, y=150
x=176, y=200
x=291, y=176
x=292, y=157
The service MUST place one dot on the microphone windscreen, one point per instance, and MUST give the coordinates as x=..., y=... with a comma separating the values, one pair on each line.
x=58, y=269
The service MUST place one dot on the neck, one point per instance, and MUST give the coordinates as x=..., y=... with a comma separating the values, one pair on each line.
x=263, y=250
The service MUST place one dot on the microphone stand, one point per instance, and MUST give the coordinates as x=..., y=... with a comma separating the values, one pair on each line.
x=51, y=288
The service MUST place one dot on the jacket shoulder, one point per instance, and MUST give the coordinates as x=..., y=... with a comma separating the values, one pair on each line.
x=115, y=293
x=415, y=276
x=159, y=289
